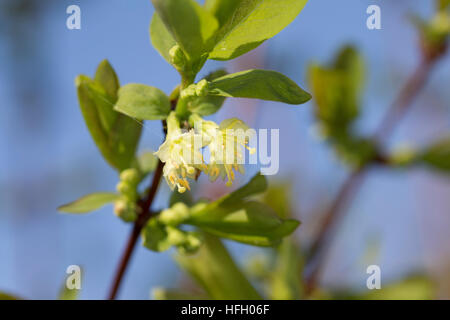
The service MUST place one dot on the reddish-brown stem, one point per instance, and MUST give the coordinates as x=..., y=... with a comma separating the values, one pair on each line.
x=145, y=214
x=347, y=192
x=140, y=222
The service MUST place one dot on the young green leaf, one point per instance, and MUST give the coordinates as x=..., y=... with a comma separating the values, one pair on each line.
x=161, y=38
x=143, y=102
x=115, y=135
x=256, y=185
x=89, y=202
x=222, y=9
x=190, y=25
x=248, y=23
x=107, y=78
x=215, y=271
x=236, y=218
x=248, y=222
x=259, y=84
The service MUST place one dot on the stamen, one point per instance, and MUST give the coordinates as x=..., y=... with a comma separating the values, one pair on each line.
x=186, y=184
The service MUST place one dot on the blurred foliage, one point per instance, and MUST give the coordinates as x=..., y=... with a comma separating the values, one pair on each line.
x=337, y=93
x=436, y=156
x=215, y=271
x=277, y=273
x=435, y=32
x=414, y=287
x=7, y=296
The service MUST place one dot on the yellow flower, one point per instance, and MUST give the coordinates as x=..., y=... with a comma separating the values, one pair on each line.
x=181, y=155
x=226, y=143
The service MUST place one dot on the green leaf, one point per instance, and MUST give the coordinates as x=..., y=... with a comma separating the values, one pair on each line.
x=107, y=77
x=155, y=236
x=189, y=23
x=222, y=9
x=286, y=281
x=143, y=102
x=248, y=23
x=248, y=222
x=89, y=202
x=438, y=155
x=259, y=84
x=115, y=135
x=215, y=271
x=278, y=197
x=257, y=184
x=161, y=38
x=235, y=218
x=208, y=105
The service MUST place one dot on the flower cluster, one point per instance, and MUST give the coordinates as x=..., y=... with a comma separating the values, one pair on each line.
x=182, y=152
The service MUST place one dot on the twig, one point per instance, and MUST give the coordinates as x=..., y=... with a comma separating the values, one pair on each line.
x=136, y=231
x=350, y=187
x=145, y=214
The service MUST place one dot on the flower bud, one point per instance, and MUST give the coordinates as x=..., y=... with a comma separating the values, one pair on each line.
x=130, y=175
x=177, y=57
x=175, y=215
x=189, y=92
x=176, y=237
x=201, y=89
x=125, y=210
x=403, y=156
x=124, y=188
x=191, y=244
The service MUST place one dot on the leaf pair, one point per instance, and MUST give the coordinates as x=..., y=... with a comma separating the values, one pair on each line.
x=221, y=29
x=237, y=218
x=116, y=135
x=148, y=103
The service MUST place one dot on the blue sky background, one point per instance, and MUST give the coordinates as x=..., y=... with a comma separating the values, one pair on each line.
x=48, y=158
